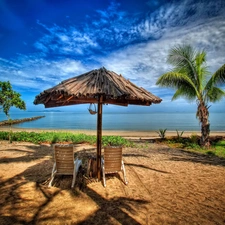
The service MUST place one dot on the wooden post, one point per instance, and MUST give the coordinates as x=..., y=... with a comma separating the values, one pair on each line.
x=99, y=137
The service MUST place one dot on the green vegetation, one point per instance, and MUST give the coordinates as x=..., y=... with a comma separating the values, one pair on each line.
x=62, y=137
x=191, y=144
x=162, y=133
x=217, y=147
x=179, y=135
x=192, y=80
x=116, y=141
x=9, y=98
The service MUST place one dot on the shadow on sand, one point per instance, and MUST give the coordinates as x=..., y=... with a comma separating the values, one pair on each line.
x=25, y=198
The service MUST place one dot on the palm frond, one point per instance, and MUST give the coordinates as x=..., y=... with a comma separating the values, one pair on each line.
x=183, y=58
x=188, y=93
x=170, y=79
x=219, y=75
x=181, y=55
x=200, y=58
x=215, y=94
x=202, y=71
x=216, y=79
x=177, y=81
x=190, y=76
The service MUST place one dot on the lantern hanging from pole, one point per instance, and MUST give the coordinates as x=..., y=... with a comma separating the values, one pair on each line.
x=92, y=110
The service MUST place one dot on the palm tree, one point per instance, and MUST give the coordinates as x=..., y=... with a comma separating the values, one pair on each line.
x=192, y=80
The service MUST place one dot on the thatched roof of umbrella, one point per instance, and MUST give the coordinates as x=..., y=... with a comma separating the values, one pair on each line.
x=97, y=86
x=86, y=88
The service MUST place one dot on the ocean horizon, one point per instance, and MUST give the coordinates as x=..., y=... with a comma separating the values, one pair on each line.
x=151, y=121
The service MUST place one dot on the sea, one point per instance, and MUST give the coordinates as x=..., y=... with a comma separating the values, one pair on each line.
x=150, y=121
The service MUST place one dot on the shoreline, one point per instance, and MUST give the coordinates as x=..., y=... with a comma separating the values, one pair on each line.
x=122, y=133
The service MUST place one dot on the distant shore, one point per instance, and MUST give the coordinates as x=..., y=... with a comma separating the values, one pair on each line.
x=122, y=133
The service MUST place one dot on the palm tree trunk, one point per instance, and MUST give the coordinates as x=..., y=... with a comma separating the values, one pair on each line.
x=203, y=115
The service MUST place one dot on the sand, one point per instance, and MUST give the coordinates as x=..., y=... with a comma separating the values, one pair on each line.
x=166, y=186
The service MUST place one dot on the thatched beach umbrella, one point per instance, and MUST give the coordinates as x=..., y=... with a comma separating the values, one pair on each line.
x=97, y=86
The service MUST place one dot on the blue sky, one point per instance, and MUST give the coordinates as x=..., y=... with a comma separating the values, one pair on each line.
x=43, y=42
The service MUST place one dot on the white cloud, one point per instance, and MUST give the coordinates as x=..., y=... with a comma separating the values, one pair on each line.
x=148, y=60
x=39, y=73
x=41, y=46
x=65, y=41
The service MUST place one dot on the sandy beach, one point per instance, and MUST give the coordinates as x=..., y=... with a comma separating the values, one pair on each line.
x=166, y=186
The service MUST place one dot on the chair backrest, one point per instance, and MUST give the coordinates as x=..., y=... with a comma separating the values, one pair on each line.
x=64, y=159
x=112, y=159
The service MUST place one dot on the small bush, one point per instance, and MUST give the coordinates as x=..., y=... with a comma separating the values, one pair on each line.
x=4, y=135
x=179, y=135
x=115, y=140
x=162, y=133
x=194, y=138
x=220, y=143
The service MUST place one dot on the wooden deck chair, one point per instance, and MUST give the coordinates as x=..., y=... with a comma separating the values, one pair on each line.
x=65, y=164
x=112, y=162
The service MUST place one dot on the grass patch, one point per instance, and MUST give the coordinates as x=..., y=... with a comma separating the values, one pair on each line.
x=217, y=147
x=62, y=137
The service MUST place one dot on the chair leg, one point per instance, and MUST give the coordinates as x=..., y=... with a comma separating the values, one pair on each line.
x=103, y=173
x=53, y=175
x=124, y=173
x=77, y=164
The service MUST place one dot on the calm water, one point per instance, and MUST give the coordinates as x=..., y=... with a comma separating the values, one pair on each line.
x=118, y=121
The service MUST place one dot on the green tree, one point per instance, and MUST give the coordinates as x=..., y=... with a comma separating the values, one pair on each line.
x=9, y=98
x=192, y=80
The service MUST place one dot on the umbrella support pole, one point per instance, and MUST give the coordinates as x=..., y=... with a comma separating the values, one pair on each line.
x=99, y=137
